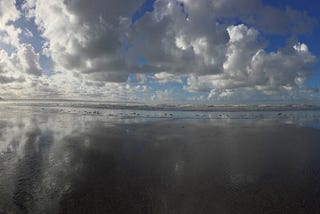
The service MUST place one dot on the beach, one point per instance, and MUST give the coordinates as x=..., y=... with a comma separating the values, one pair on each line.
x=62, y=160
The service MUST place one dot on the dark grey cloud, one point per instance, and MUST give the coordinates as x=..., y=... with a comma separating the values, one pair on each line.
x=6, y=79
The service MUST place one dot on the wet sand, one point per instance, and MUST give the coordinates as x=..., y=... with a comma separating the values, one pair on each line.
x=70, y=163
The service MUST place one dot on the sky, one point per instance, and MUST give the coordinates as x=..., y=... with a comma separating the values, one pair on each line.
x=161, y=51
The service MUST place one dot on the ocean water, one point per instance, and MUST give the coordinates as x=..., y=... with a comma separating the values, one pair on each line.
x=66, y=158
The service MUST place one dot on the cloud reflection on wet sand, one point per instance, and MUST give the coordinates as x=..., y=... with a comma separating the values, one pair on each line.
x=60, y=163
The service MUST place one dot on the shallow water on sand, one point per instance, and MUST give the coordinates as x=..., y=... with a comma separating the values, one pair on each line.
x=118, y=161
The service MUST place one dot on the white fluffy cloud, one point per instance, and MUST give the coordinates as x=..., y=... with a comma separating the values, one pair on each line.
x=20, y=70
x=247, y=65
x=162, y=96
x=164, y=77
x=94, y=47
x=9, y=34
x=19, y=65
x=173, y=43
x=188, y=39
x=84, y=36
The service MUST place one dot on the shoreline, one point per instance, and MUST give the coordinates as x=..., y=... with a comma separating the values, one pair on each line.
x=162, y=107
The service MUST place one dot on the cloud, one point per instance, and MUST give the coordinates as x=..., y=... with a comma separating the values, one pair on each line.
x=86, y=37
x=20, y=72
x=140, y=77
x=8, y=79
x=9, y=34
x=27, y=33
x=162, y=96
x=164, y=77
x=23, y=62
x=247, y=65
x=264, y=17
x=95, y=47
x=189, y=39
x=172, y=43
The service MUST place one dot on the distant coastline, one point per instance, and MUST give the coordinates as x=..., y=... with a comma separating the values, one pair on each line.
x=162, y=107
